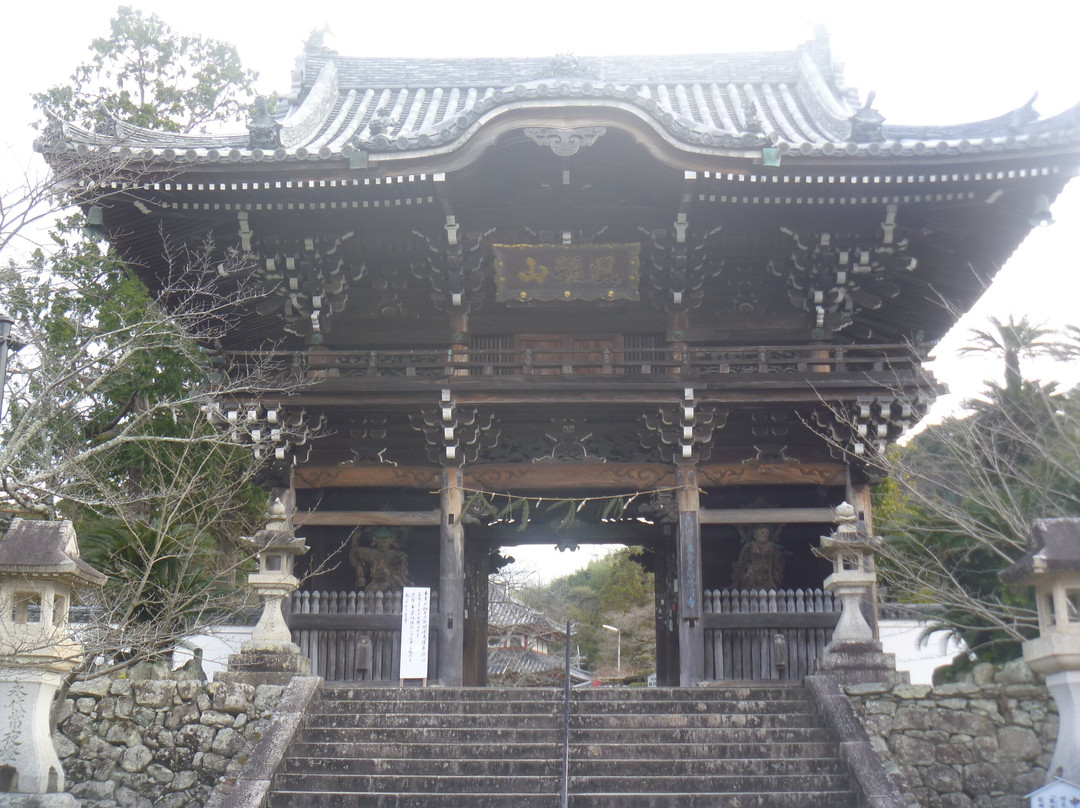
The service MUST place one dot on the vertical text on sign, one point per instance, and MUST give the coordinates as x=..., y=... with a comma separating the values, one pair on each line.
x=415, y=614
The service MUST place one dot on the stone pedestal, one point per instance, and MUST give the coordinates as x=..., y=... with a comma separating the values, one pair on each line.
x=259, y=667
x=1065, y=687
x=38, y=801
x=860, y=662
x=27, y=755
x=1056, y=655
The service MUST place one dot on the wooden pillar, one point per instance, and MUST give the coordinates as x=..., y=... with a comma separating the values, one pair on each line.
x=459, y=342
x=474, y=672
x=691, y=632
x=665, y=575
x=677, y=325
x=451, y=579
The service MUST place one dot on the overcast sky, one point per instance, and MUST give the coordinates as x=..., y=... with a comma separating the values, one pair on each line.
x=947, y=61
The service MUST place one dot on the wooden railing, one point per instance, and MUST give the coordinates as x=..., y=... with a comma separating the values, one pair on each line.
x=354, y=636
x=741, y=627
x=693, y=362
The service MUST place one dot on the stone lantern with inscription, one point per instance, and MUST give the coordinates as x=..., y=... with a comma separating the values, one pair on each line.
x=39, y=569
x=854, y=654
x=271, y=648
x=1052, y=565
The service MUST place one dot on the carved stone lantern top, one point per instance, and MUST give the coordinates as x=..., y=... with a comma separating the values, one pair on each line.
x=850, y=537
x=1052, y=565
x=279, y=534
x=39, y=549
x=1053, y=550
x=39, y=567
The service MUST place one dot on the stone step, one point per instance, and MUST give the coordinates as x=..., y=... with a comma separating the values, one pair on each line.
x=436, y=765
x=702, y=736
x=552, y=766
x=319, y=783
x=431, y=720
x=577, y=707
x=686, y=706
x=390, y=695
x=436, y=750
x=621, y=735
x=533, y=799
x=842, y=798
x=652, y=721
x=510, y=707
x=463, y=735
x=485, y=799
x=736, y=746
x=437, y=784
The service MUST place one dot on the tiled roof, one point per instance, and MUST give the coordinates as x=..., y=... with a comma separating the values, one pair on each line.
x=505, y=611
x=46, y=549
x=732, y=105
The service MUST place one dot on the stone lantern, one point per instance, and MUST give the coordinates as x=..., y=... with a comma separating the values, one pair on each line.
x=854, y=654
x=39, y=569
x=1052, y=565
x=271, y=649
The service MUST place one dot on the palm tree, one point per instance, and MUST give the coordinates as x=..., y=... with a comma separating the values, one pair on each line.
x=1013, y=339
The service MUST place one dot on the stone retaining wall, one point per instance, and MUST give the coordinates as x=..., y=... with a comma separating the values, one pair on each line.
x=981, y=743
x=158, y=743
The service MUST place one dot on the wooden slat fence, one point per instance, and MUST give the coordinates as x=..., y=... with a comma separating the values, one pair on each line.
x=740, y=625
x=329, y=626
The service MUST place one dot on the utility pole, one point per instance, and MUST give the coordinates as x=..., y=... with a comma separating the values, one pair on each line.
x=618, y=646
x=6, y=322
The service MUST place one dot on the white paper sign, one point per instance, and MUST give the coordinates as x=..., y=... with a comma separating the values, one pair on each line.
x=415, y=616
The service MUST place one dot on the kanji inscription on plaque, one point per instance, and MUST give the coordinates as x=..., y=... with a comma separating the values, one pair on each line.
x=526, y=272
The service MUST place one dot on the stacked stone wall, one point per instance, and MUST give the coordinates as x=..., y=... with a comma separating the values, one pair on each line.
x=981, y=743
x=158, y=743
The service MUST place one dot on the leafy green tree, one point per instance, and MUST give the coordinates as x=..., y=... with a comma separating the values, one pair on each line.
x=962, y=496
x=613, y=590
x=146, y=74
x=105, y=418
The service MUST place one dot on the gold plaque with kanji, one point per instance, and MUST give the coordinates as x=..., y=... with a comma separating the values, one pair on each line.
x=525, y=272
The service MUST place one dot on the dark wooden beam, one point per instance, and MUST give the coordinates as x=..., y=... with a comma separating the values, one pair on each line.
x=363, y=518
x=587, y=477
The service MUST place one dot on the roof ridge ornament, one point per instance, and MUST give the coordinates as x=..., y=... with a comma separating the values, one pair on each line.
x=1024, y=115
x=566, y=65
x=866, y=123
x=264, y=132
x=750, y=111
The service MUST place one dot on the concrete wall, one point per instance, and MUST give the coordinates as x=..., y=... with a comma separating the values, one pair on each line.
x=158, y=743
x=981, y=743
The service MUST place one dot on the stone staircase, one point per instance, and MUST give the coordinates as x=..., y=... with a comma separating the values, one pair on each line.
x=753, y=746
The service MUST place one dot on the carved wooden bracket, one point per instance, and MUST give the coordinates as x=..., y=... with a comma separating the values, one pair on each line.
x=832, y=276
x=683, y=433
x=306, y=280
x=678, y=260
x=454, y=436
x=455, y=260
x=279, y=436
x=859, y=433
